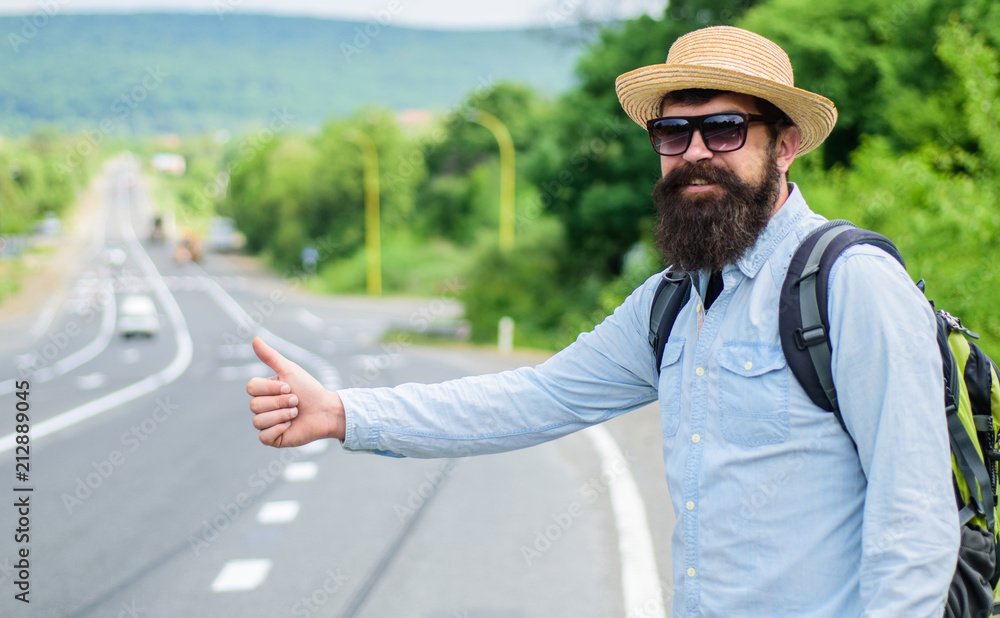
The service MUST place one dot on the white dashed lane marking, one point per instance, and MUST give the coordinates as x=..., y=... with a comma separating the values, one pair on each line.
x=300, y=471
x=91, y=381
x=280, y=512
x=241, y=575
x=312, y=448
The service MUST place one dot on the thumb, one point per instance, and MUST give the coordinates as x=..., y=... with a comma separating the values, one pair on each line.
x=270, y=357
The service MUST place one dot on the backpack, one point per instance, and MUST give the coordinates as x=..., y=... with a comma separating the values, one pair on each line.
x=971, y=405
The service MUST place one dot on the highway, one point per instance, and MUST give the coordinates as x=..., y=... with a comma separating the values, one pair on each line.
x=150, y=494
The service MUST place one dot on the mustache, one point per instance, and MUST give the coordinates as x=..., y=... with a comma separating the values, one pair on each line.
x=690, y=172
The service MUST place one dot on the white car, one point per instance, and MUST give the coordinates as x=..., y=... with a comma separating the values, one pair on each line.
x=137, y=316
x=223, y=236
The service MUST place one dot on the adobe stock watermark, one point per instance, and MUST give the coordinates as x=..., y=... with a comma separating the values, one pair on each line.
x=420, y=494
x=585, y=154
x=230, y=512
x=365, y=34
x=420, y=320
x=313, y=602
x=934, y=500
x=225, y=7
x=654, y=607
x=262, y=310
x=457, y=114
x=87, y=485
x=563, y=12
x=121, y=108
x=757, y=497
x=130, y=609
x=279, y=120
x=33, y=24
x=42, y=361
x=590, y=492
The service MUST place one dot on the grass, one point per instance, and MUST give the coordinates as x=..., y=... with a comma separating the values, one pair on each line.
x=410, y=267
x=11, y=272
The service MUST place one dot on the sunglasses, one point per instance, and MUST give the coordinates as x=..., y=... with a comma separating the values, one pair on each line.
x=671, y=136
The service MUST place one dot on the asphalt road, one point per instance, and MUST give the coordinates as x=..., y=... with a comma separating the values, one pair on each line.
x=151, y=496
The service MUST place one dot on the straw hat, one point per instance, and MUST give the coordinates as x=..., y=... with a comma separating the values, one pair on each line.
x=732, y=59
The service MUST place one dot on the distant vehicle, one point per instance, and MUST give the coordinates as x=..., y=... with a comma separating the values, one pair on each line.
x=50, y=226
x=137, y=316
x=189, y=247
x=156, y=235
x=223, y=236
x=115, y=256
x=169, y=163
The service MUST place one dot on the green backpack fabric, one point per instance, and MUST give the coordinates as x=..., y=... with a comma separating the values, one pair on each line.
x=971, y=406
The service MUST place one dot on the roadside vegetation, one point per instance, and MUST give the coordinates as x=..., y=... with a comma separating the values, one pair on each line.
x=915, y=155
x=38, y=185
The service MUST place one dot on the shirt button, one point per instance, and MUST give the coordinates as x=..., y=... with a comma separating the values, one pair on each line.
x=696, y=438
x=700, y=371
x=748, y=366
x=692, y=572
x=690, y=505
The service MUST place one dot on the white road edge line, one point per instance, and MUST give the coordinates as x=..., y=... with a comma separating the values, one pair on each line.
x=49, y=313
x=81, y=356
x=147, y=385
x=323, y=370
x=640, y=577
x=89, y=351
x=308, y=319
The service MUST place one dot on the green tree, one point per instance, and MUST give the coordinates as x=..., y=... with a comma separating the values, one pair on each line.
x=292, y=191
x=600, y=182
x=459, y=197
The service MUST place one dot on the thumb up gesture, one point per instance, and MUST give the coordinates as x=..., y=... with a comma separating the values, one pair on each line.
x=292, y=408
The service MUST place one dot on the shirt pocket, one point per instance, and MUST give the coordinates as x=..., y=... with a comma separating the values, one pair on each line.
x=753, y=393
x=670, y=387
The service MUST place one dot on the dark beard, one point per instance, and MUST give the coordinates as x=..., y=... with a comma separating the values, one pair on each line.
x=710, y=231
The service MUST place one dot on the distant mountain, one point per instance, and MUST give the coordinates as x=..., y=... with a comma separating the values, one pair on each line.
x=149, y=73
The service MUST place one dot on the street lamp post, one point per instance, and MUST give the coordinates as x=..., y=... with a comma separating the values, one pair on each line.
x=502, y=135
x=373, y=242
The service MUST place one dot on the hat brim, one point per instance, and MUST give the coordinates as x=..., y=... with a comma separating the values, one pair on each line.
x=641, y=92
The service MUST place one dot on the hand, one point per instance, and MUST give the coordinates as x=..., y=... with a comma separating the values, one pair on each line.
x=292, y=408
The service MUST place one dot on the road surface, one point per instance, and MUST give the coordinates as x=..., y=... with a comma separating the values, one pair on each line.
x=147, y=493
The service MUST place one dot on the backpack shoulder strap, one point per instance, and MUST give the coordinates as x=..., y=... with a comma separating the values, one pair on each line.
x=672, y=293
x=803, y=323
x=970, y=461
x=803, y=326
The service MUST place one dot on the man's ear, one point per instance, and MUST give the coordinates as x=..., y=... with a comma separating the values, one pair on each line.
x=788, y=147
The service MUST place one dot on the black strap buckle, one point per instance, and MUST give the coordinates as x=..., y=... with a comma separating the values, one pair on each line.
x=808, y=337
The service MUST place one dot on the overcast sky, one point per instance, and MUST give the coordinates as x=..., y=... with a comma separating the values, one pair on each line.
x=447, y=14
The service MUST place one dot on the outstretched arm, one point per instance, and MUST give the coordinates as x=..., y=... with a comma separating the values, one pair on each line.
x=606, y=372
x=292, y=408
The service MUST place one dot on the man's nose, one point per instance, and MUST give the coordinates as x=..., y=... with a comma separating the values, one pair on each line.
x=697, y=150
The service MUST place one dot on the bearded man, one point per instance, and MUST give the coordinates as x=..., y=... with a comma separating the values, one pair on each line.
x=859, y=522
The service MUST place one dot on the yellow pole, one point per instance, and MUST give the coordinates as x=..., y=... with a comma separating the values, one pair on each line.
x=373, y=233
x=502, y=135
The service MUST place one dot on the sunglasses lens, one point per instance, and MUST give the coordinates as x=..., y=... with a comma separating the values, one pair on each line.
x=670, y=136
x=724, y=132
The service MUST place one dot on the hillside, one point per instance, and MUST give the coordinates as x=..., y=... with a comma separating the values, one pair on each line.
x=173, y=72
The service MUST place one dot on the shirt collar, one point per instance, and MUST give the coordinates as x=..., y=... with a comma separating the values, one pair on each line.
x=781, y=223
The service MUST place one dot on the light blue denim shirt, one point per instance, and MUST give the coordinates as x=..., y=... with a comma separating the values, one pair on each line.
x=777, y=513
